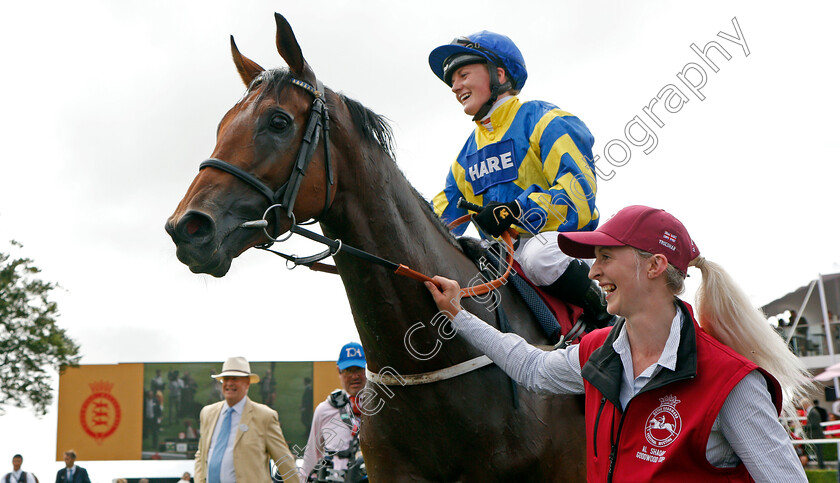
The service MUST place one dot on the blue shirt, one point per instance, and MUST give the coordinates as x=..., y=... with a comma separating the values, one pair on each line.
x=228, y=472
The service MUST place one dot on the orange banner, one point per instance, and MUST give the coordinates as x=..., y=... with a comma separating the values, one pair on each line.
x=100, y=407
x=100, y=412
x=325, y=375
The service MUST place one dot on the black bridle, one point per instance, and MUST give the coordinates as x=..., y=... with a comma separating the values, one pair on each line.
x=285, y=196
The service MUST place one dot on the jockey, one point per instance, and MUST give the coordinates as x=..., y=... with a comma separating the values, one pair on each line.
x=527, y=163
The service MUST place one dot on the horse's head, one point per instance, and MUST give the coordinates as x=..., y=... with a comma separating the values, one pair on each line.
x=264, y=145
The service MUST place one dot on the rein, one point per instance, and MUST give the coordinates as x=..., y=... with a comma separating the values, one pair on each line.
x=335, y=246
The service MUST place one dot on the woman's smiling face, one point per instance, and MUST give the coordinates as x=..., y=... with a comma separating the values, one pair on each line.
x=617, y=272
x=471, y=86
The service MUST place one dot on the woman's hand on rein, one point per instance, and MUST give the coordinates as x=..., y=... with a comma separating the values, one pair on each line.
x=448, y=297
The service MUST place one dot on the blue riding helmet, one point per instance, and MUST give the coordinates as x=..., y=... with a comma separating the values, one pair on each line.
x=480, y=47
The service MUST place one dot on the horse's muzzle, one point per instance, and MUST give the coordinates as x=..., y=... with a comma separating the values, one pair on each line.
x=194, y=227
x=195, y=237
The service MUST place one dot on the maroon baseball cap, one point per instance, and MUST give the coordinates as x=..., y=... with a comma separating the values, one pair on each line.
x=648, y=229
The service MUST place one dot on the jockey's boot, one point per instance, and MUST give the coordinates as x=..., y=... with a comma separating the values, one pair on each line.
x=575, y=287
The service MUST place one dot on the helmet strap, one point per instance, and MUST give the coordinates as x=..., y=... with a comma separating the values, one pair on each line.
x=495, y=90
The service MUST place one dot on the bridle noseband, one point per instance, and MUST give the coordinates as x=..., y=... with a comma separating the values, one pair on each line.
x=286, y=195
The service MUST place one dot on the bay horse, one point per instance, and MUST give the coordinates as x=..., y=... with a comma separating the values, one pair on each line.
x=475, y=427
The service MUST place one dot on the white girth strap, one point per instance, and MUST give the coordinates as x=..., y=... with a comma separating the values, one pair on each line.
x=428, y=377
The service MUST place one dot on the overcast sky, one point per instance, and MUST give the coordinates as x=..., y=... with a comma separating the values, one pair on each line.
x=108, y=108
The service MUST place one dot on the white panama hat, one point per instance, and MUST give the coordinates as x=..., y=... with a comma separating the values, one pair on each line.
x=238, y=367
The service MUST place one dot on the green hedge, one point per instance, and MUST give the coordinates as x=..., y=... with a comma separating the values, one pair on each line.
x=821, y=476
x=829, y=452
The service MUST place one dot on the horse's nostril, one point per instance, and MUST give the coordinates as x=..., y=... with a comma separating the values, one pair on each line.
x=192, y=227
x=195, y=227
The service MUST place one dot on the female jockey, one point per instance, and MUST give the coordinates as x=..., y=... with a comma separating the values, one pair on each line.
x=666, y=400
x=528, y=163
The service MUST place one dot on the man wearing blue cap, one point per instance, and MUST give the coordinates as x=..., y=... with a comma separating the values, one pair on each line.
x=335, y=423
x=528, y=163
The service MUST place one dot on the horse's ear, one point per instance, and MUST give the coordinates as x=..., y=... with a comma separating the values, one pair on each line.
x=248, y=69
x=287, y=46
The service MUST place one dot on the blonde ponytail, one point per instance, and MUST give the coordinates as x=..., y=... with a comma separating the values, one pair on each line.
x=725, y=313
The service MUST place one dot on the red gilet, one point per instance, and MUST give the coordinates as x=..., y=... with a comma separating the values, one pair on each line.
x=662, y=434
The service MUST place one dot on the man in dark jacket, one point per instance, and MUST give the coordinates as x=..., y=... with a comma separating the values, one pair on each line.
x=821, y=410
x=813, y=429
x=72, y=473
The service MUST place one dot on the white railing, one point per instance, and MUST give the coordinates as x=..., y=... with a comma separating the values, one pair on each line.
x=803, y=420
x=799, y=432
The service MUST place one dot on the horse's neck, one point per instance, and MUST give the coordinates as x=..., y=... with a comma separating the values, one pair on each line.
x=378, y=211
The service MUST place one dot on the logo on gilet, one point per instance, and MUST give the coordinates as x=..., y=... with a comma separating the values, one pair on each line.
x=664, y=423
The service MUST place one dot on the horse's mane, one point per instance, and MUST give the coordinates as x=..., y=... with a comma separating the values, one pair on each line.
x=374, y=128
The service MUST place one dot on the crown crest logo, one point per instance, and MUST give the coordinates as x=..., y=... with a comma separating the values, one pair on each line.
x=669, y=400
x=101, y=386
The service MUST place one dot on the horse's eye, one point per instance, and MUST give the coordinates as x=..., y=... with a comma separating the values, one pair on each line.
x=279, y=122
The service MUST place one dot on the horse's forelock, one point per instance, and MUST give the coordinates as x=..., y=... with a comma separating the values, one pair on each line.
x=268, y=83
x=272, y=82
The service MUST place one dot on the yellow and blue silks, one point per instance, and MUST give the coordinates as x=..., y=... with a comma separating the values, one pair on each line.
x=532, y=152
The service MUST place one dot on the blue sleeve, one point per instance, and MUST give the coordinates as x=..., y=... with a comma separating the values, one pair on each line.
x=565, y=150
x=445, y=204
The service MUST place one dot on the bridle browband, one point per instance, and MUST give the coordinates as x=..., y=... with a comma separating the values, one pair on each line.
x=286, y=195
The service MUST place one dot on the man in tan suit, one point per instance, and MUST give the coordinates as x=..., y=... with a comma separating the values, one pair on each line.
x=239, y=436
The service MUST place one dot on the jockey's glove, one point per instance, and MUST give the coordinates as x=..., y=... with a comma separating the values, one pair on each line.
x=495, y=217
